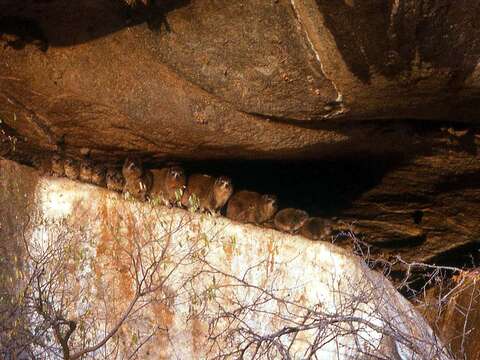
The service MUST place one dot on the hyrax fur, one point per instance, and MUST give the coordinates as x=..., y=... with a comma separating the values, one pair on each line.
x=132, y=168
x=58, y=168
x=72, y=169
x=139, y=188
x=251, y=207
x=138, y=181
x=207, y=193
x=290, y=220
x=86, y=170
x=168, y=185
x=316, y=228
x=115, y=180
x=98, y=175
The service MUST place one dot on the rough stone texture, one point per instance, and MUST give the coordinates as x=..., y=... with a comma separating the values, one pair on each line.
x=426, y=207
x=263, y=80
x=167, y=80
x=142, y=89
x=305, y=272
x=459, y=321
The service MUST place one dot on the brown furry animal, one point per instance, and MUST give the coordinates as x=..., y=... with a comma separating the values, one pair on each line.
x=86, y=170
x=114, y=180
x=139, y=188
x=251, y=207
x=138, y=181
x=98, y=175
x=290, y=220
x=316, y=228
x=72, y=169
x=132, y=168
x=168, y=184
x=207, y=193
x=58, y=168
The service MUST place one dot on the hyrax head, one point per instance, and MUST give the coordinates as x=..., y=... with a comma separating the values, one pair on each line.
x=176, y=177
x=58, y=168
x=268, y=206
x=132, y=168
x=222, y=190
x=72, y=169
x=98, y=175
x=57, y=160
x=86, y=169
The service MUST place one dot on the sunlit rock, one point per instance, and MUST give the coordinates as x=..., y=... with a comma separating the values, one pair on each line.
x=219, y=288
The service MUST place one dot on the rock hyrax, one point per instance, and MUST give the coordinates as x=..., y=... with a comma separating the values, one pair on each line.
x=316, y=228
x=139, y=188
x=168, y=185
x=72, y=169
x=86, y=170
x=115, y=180
x=251, y=207
x=207, y=193
x=98, y=175
x=290, y=220
x=132, y=168
x=138, y=181
x=58, y=168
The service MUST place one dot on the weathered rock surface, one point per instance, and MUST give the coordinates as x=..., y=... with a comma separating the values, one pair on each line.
x=458, y=322
x=268, y=76
x=263, y=80
x=424, y=208
x=227, y=273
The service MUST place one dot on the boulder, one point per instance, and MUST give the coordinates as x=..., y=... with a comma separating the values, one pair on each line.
x=218, y=284
x=394, y=83
x=273, y=78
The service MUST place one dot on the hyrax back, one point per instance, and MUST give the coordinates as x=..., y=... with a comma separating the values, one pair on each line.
x=251, y=207
x=168, y=184
x=316, y=228
x=242, y=206
x=72, y=169
x=198, y=189
x=290, y=220
x=206, y=192
x=114, y=180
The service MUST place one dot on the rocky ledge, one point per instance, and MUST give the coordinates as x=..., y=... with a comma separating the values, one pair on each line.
x=389, y=90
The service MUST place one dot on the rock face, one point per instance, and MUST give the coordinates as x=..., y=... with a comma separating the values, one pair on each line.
x=459, y=322
x=215, y=276
x=270, y=76
x=298, y=79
